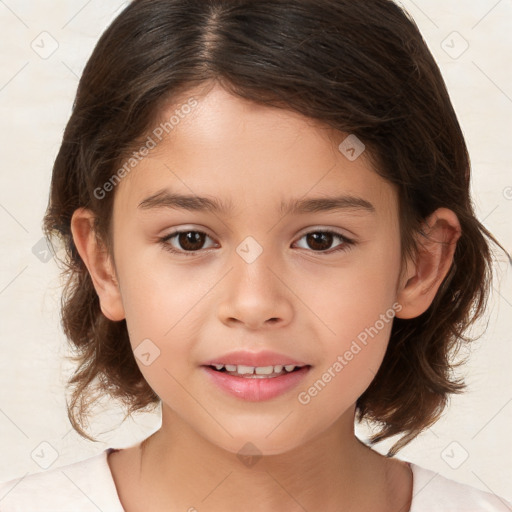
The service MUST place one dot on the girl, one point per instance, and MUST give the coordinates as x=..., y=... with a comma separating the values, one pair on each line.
x=269, y=232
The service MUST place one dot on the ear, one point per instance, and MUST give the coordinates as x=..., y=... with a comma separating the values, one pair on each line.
x=96, y=259
x=423, y=277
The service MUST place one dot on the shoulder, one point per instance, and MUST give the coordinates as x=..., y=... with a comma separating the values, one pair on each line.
x=87, y=486
x=434, y=492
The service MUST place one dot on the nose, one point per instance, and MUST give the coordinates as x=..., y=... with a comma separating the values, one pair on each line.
x=254, y=294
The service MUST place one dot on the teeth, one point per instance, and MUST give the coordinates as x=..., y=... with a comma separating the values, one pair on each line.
x=258, y=370
x=265, y=370
x=242, y=370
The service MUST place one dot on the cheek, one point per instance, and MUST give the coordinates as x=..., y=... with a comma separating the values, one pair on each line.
x=350, y=299
x=356, y=307
x=165, y=311
x=349, y=365
x=159, y=298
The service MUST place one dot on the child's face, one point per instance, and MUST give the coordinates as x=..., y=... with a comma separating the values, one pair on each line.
x=298, y=297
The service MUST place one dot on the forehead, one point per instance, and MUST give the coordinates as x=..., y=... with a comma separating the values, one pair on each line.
x=235, y=154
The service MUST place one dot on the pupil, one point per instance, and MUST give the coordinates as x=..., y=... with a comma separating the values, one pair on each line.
x=314, y=237
x=188, y=239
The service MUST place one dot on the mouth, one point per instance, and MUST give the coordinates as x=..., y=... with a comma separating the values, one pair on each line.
x=256, y=383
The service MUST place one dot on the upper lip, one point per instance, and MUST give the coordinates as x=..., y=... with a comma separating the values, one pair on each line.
x=263, y=358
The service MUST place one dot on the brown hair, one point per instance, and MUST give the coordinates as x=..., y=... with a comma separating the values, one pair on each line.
x=360, y=67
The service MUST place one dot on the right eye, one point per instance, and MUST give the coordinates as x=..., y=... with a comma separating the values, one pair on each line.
x=190, y=241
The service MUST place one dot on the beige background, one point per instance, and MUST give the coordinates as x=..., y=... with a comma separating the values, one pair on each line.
x=469, y=443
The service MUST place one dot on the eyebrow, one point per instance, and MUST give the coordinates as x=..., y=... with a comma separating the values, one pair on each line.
x=166, y=199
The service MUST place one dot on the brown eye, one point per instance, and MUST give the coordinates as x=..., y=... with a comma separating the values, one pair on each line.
x=186, y=242
x=191, y=240
x=321, y=241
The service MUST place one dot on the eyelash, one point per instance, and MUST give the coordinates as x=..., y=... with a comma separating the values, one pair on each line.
x=345, y=246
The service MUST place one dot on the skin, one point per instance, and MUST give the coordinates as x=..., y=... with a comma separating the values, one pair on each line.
x=199, y=307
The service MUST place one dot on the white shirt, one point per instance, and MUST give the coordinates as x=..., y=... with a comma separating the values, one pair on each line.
x=88, y=486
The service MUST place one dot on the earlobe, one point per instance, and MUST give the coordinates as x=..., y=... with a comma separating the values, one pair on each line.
x=424, y=276
x=98, y=263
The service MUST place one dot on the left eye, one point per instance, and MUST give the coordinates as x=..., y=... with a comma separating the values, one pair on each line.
x=192, y=241
x=321, y=239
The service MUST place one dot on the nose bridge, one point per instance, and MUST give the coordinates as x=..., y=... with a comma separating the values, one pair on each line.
x=254, y=294
x=252, y=263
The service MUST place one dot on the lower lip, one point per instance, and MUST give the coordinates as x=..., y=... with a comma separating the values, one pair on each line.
x=254, y=389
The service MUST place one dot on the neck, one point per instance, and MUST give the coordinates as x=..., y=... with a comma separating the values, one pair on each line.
x=334, y=471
